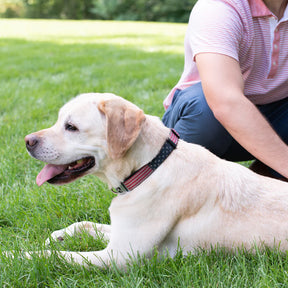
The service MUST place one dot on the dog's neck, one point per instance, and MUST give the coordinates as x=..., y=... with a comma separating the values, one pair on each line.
x=140, y=175
x=148, y=144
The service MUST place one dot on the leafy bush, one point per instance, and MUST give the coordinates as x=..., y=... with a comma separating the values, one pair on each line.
x=11, y=8
x=145, y=10
x=72, y=9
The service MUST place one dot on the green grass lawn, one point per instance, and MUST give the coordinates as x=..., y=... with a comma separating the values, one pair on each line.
x=42, y=65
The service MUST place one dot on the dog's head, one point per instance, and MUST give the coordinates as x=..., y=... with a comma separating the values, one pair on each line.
x=90, y=128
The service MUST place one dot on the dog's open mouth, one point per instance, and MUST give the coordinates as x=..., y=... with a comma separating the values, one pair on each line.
x=61, y=174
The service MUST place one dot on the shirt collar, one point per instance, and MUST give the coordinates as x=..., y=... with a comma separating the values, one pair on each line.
x=259, y=9
x=285, y=16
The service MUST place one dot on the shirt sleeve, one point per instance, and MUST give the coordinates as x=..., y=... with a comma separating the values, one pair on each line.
x=214, y=27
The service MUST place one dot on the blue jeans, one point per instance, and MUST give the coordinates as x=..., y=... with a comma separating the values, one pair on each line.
x=190, y=115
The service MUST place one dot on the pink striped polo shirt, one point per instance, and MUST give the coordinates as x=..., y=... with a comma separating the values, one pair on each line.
x=247, y=31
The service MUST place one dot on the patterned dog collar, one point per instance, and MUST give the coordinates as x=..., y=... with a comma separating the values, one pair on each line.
x=136, y=178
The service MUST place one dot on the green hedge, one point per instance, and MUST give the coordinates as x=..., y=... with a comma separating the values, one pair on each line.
x=144, y=10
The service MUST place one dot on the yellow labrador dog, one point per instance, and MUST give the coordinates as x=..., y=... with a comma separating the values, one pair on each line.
x=169, y=192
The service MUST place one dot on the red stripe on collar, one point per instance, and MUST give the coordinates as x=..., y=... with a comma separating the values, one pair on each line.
x=144, y=172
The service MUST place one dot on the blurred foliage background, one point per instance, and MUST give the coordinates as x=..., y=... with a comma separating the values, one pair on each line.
x=137, y=10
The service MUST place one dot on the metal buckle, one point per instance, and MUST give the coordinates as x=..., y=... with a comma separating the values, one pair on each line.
x=120, y=189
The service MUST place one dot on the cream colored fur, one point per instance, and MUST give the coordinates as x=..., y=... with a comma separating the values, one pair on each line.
x=194, y=198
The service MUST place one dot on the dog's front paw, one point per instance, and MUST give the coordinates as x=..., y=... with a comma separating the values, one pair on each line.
x=56, y=236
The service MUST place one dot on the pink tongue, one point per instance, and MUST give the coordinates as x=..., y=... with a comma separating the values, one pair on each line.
x=49, y=171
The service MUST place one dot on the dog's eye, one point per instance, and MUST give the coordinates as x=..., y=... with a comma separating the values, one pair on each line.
x=70, y=127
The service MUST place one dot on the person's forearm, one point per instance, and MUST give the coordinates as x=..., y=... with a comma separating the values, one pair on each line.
x=223, y=86
x=249, y=128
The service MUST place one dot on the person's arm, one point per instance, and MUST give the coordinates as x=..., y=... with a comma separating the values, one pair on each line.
x=223, y=86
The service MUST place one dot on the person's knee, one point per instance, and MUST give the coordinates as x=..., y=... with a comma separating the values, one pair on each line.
x=192, y=118
x=185, y=102
x=201, y=127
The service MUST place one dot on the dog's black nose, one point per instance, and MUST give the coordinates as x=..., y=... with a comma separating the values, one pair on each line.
x=31, y=141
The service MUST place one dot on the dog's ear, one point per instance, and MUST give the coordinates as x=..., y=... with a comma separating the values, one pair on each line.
x=123, y=125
